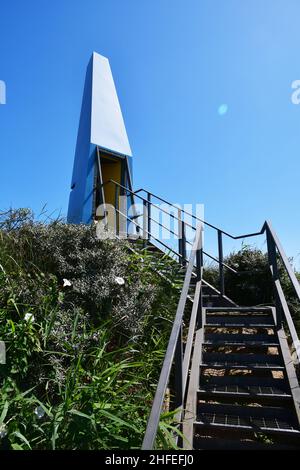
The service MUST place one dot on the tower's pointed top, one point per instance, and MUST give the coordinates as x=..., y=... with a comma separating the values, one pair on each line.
x=107, y=124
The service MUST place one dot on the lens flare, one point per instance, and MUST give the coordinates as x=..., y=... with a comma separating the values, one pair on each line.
x=223, y=108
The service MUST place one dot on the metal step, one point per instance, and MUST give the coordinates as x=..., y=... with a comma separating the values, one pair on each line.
x=240, y=391
x=217, y=443
x=242, y=359
x=225, y=301
x=258, y=419
x=241, y=321
x=248, y=345
x=267, y=367
x=237, y=309
x=280, y=385
x=237, y=313
x=240, y=339
x=210, y=296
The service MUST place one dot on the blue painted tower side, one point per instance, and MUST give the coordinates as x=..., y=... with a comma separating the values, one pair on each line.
x=101, y=125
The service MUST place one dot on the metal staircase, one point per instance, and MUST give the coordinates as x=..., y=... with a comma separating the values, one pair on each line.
x=242, y=383
x=232, y=369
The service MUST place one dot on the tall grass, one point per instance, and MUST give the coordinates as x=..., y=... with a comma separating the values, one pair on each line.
x=83, y=357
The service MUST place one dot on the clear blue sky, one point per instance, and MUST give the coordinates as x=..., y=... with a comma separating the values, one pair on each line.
x=174, y=63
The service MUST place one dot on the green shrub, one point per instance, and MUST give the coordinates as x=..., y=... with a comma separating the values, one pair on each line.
x=253, y=284
x=84, y=351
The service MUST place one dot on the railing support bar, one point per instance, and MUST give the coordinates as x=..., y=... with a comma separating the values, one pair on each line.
x=117, y=193
x=221, y=263
x=149, y=215
x=272, y=257
x=181, y=239
x=145, y=223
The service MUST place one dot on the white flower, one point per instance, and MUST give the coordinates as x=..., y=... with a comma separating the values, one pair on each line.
x=67, y=283
x=29, y=317
x=39, y=411
x=120, y=281
x=3, y=431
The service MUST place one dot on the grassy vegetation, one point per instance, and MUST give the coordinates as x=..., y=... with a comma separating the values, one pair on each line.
x=86, y=324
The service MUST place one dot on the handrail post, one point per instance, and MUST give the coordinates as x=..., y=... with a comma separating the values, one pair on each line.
x=179, y=236
x=149, y=215
x=183, y=244
x=272, y=257
x=137, y=227
x=198, y=264
x=221, y=260
x=117, y=190
x=199, y=258
x=181, y=239
x=145, y=223
x=199, y=272
x=123, y=226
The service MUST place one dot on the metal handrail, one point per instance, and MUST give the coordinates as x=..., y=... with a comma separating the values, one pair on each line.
x=182, y=243
x=152, y=204
x=200, y=220
x=174, y=348
x=266, y=228
x=134, y=193
x=275, y=251
x=148, y=233
x=274, y=248
x=224, y=264
x=163, y=226
x=158, y=223
x=284, y=259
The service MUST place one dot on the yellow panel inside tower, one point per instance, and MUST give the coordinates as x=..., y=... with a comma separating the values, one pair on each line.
x=111, y=170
